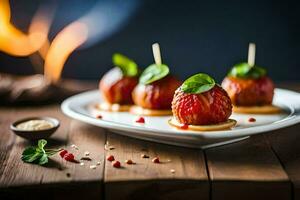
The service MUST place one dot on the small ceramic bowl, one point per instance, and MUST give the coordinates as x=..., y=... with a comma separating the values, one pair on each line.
x=35, y=134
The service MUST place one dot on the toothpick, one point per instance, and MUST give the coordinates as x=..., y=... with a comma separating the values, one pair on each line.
x=156, y=53
x=251, y=54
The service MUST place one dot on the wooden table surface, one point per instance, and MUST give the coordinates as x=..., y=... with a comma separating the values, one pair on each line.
x=265, y=166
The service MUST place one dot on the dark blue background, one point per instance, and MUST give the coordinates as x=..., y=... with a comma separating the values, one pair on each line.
x=195, y=36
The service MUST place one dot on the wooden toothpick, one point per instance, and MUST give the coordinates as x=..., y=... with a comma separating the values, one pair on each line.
x=156, y=53
x=251, y=54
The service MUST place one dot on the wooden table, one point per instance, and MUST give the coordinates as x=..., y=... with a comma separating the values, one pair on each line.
x=265, y=166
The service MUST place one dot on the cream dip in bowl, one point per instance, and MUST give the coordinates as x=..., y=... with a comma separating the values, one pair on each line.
x=34, y=128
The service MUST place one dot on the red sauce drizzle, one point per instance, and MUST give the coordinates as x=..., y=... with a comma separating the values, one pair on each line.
x=252, y=119
x=184, y=126
x=99, y=116
x=140, y=120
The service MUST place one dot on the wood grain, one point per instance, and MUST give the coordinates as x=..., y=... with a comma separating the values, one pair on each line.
x=247, y=170
x=148, y=180
x=262, y=167
x=285, y=143
x=63, y=178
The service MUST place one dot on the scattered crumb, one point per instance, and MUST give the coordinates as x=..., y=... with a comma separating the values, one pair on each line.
x=111, y=147
x=86, y=158
x=81, y=163
x=98, y=163
x=169, y=160
x=116, y=164
x=108, y=147
x=145, y=156
x=155, y=160
x=93, y=167
x=74, y=146
x=129, y=162
x=110, y=158
x=86, y=153
x=172, y=171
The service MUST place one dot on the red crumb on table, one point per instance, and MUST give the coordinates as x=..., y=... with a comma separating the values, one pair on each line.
x=116, y=164
x=155, y=160
x=184, y=126
x=63, y=153
x=110, y=158
x=69, y=157
x=99, y=116
x=251, y=119
x=140, y=120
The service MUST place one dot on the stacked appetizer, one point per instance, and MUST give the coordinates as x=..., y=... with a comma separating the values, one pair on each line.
x=154, y=93
x=118, y=83
x=201, y=104
x=250, y=89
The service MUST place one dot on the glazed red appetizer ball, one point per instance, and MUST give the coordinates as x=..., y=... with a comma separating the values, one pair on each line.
x=211, y=107
x=117, y=88
x=157, y=95
x=249, y=92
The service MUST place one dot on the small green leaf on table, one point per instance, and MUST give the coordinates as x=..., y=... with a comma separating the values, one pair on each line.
x=38, y=154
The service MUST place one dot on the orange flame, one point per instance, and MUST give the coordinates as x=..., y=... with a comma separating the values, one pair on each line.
x=15, y=42
x=66, y=41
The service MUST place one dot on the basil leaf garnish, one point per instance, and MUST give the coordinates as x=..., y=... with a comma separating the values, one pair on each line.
x=42, y=143
x=244, y=70
x=198, y=83
x=127, y=66
x=38, y=154
x=153, y=73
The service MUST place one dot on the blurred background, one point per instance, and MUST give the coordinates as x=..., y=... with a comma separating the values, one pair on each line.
x=195, y=36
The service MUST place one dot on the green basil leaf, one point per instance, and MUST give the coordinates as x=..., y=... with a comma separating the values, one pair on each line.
x=38, y=154
x=28, y=151
x=198, y=83
x=244, y=70
x=127, y=66
x=32, y=158
x=42, y=143
x=43, y=160
x=153, y=73
x=29, y=154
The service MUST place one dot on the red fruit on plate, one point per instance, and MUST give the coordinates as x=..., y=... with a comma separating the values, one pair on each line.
x=157, y=95
x=249, y=92
x=211, y=107
x=117, y=88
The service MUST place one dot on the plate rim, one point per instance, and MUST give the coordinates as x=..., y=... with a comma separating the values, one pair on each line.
x=290, y=120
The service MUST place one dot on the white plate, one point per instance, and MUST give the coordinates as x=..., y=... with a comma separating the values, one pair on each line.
x=82, y=107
